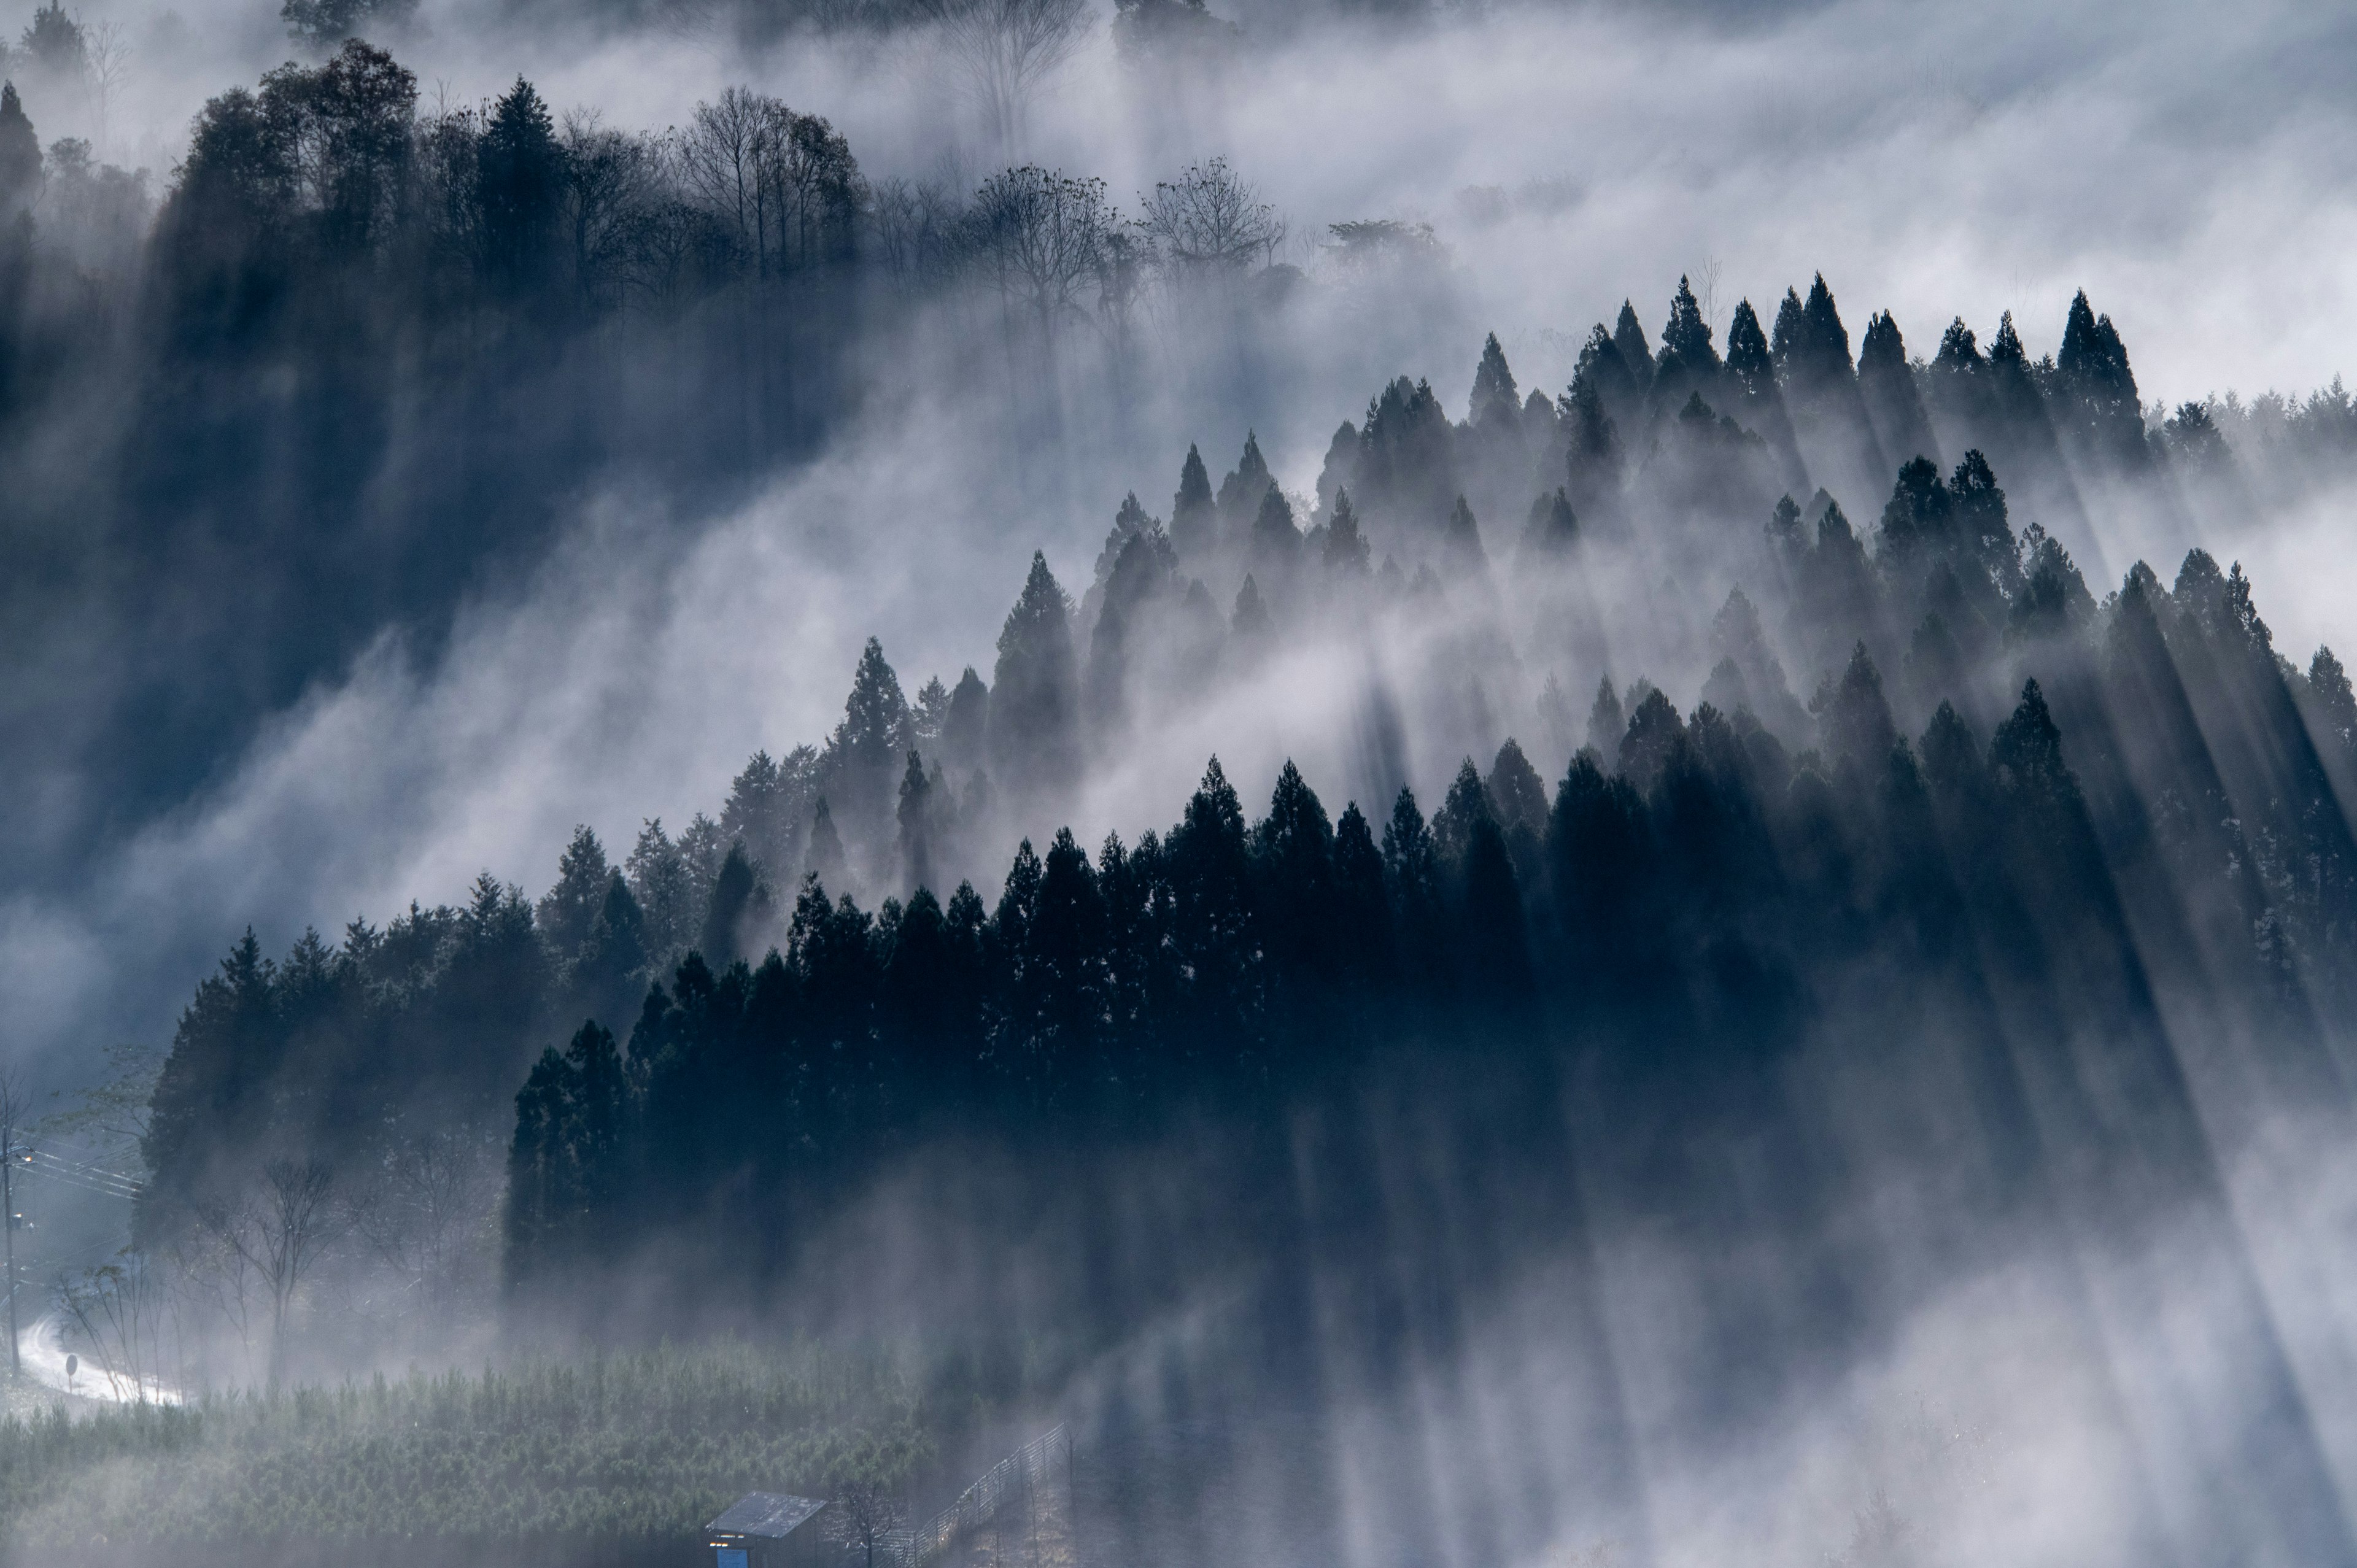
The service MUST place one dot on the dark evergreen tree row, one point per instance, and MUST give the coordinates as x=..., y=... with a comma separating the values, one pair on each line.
x=782, y=1002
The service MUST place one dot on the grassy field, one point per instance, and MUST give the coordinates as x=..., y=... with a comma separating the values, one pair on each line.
x=619, y=1459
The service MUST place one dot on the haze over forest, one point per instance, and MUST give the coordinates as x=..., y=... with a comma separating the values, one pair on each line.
x=1508, y=783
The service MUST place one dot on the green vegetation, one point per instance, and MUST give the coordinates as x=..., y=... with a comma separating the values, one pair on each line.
x=619, y=1452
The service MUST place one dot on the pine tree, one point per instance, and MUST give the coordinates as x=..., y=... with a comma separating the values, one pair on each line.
x=1854, y=716
x=1636, y=354
x=20, y=155
x=521, y=179
x=1293, y=855
x=1412, y=870
x=571, y=908
x=1689, y=364
x=2098, y=404
x=1194, y=517
x=863, y=756
x=915, y=817
x=1362, y=915
x=1553, y=532
x=1606, y=723
x=1241, y=491
x=1250, y=621
x=1461, y=546
x=1275, y=542
x=1654, y=731
x=1892, y=400
x=1035, y=692
x=826, y=860
x=1516, y=790
x=1496, y=399
x=1346, y=548
x=734, y=893
x=966, y=724
x=1467, y=803
x=1785, y=340
x=1598, y=853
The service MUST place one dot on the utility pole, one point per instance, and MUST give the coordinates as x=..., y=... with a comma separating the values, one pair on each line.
x=13, y=1106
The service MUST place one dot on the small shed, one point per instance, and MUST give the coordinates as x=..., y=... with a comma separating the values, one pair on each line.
x=770, y=1530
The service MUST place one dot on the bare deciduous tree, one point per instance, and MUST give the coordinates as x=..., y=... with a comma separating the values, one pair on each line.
x=431, y=1199
x=106, y=62
x=1209, y=220
x=211, y=1267
x=1006, y=49
x=1046, y=239
x=721, y=155
x=870, y=1511
x=280, y=1235
x=121, y=1309
x=607, y=177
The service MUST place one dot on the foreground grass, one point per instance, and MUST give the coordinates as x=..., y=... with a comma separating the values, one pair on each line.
x=626, y=1448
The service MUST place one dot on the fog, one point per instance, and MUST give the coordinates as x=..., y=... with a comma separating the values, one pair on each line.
x=1931, y=163
x=2154, y=1367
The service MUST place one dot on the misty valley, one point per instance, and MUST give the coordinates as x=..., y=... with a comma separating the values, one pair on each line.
x=1421, y=942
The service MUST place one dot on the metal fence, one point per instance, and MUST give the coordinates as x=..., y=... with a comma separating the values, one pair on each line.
x=1018, y=1514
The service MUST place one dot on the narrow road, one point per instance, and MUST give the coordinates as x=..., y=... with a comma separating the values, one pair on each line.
x=42, y=1348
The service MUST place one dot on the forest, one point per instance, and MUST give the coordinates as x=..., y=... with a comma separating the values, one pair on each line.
x=1388, y=1002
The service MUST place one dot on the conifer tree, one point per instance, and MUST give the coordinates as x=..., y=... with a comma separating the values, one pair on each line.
x=826, y=860
x=2097, y=398
x=1346, y=547
x=1035, y=692
x=1461, y=546
x=1607, y=379
x=1553, y=532
x=1362, y=915
x=1854, y=716
x=734, y=893
x=1606, y=723
x=1293, y=855
x=967, y=725
x=1466, y=803
x=1654, y=731
x=863, y=756
x=521, y=179
x=1516, y=789
x=1412, y=870
x=1212, y=930
x=1194, y=517
x=20, y=155
x=1276, y=547
x=570, y=907
x=1496, y=399
x=915, y=816
x=1240, y=493
x=1892, y=401
x=1636, y=354
x=1689, y=365
x=1339, y=471
x=1250, y=621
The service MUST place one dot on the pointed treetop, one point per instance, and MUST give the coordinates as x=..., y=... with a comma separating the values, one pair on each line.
x=1883, y=349
x=1747, y=352
x=1685, y=340
x=1462, y=544
x=1959, y=351
x=1494, y=393
x=1251, y=618
x=1628, y=337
